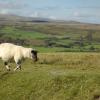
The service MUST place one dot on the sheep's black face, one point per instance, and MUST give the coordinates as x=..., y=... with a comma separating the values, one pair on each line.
x=34, y=55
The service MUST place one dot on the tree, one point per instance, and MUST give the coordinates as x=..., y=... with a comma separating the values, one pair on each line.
x=89, y=37
x=81, y=41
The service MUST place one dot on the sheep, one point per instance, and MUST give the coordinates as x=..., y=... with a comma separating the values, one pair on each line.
x=9, y=51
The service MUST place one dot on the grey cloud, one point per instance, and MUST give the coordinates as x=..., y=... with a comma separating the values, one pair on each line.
x=11, y=5
x=81, y=15
x=48, y=8
x=66, y=8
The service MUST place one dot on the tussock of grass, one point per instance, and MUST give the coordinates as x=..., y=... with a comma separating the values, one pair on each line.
x=71, y=60
x=56, y=76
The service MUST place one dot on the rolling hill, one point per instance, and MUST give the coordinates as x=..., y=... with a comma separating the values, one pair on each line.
x=48, y=34
x=56, y=76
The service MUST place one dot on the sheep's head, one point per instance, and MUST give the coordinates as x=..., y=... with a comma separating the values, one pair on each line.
x=34, y=55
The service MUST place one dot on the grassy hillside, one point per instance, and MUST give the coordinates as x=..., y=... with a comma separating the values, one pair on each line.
x=67, y=36
x=56, y=76
x=49, y=36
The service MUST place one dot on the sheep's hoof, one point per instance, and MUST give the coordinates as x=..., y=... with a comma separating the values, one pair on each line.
x=14, y=69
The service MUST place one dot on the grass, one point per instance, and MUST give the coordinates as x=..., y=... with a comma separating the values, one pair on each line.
x=22, y=34
x=50, y=49
x=58, y=37
x=56, y=76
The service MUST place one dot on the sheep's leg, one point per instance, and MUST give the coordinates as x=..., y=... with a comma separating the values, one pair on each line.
x=7, y=66
x=18, y=65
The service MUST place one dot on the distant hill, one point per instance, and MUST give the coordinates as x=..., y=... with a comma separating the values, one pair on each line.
x=47, y=33
x=15, y=18
x=10, y=18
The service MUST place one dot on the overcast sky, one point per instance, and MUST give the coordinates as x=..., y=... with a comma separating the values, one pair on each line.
x=78, y=10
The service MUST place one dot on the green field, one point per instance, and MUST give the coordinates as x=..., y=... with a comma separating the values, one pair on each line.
x=56, y=76
x=53, y=37
x=68, y=66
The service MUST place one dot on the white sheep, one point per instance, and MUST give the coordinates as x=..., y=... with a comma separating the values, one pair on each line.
x=10, y=51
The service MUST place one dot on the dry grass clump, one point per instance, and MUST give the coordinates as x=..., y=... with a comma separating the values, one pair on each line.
x=71, y=60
